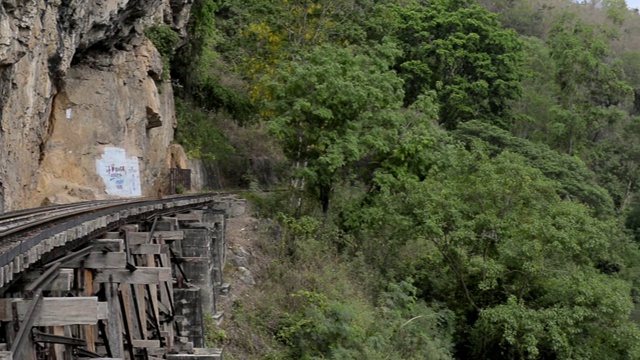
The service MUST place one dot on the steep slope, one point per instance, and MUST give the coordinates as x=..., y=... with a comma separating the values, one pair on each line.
x=77, y=79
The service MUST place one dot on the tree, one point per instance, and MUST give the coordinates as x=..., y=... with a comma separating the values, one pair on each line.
x=590, y=85
x=457, y=49
x=577, y=182
x=527, y=274
x=262, y=34
x=330, y=109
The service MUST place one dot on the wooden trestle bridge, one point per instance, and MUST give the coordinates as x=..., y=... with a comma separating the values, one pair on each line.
x=112, y=279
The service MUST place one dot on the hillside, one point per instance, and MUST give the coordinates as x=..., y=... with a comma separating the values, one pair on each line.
x=453, y=179
x=461, y=178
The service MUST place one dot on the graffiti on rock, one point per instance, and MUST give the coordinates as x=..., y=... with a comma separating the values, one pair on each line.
x=121, y=174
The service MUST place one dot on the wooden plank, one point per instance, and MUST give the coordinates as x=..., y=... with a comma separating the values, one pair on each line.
x=103, y=310
x=114, y=245
x=144, y=249
x=127, y=312
x=196, y=217
x=98, y=260
x=142, y=309
x=137, y=238
x=169, y=235
x=62, y=282
x=142, y=275
x=140, y=238
x=6, y=355
x=58, y=349
x=90, y=331
x=146, y=343
x=153, y=290
x=55, y=311
x=114, y=327
x=67, y=311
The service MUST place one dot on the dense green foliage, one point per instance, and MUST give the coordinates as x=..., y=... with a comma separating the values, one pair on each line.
x=463, y=176
x=165, y=40
x=458, y=49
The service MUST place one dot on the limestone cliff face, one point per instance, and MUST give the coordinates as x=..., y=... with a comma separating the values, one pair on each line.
x=78, y=79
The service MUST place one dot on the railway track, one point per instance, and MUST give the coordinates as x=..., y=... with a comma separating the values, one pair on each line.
x=50, y=238
x=14, y=222
x=42, y=228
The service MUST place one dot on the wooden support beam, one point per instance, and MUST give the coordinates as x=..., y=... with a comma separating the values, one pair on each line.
x=142, y=275
x=138, y=238
x=153, y=292
x=169, y=235
x=139, y=326
x=192, y=217
x=62, y=281
x=56, y=311
x=140, y=307
x=146, y=343
x=112, y=235
x=98, y=260
x=145, y=249
x=103, y=310
x=127, y=313
x=125, y=307
x=114, y=245
x=130, y=228
x=114, y=327
x=90, y=331
x=58, y=349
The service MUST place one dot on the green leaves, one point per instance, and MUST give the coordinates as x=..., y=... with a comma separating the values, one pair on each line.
x=331, y=109
x=572, y=320
x=458, y=49
x=491, y=238
x=165, y=41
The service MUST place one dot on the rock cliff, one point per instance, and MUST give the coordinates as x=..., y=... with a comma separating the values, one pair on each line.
x=82, y=100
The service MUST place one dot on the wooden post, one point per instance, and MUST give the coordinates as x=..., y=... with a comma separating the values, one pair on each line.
x=58, y=349
x=114, y=327
x=141, y=318
x=89, y=330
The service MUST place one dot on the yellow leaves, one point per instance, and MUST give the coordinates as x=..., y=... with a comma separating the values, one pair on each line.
x=298, y=27
x=263, y=32
x=313, y=8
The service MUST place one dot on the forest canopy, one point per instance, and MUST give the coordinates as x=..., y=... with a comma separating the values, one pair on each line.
x=468, y=170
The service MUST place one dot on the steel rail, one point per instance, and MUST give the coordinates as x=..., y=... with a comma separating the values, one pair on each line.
x=19, y=245
x=41, y=209
x=81, y=210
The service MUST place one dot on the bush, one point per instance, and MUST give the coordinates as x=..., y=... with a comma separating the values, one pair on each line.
x=165, y=41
